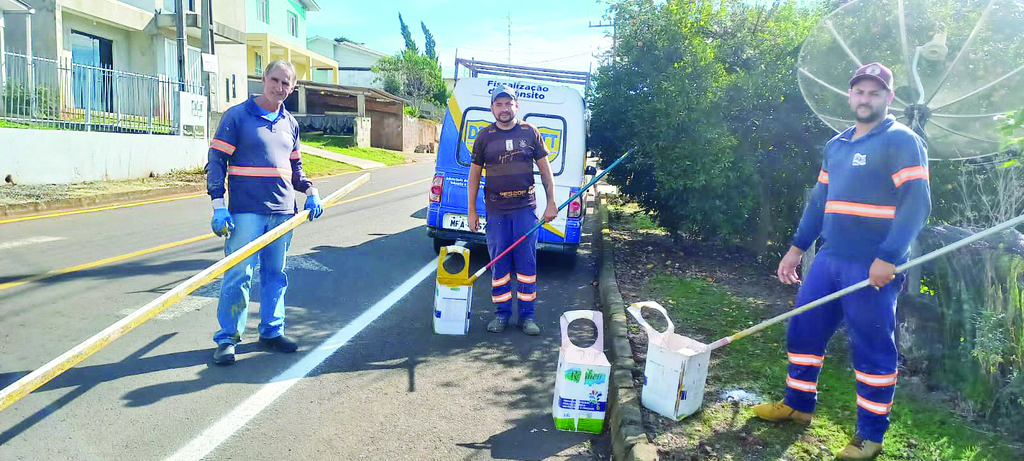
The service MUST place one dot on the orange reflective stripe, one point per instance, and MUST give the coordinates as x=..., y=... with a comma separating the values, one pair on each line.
x=502, y=281
x=876, y=380
x=526, y=278
x=222, y=146
x=295, y=155
x=806, y=359
x=502, y=298
x=260, y=172
x=799, y=385
x=526, y=296
x=910, y=173
x=866, y=210
x=823, y=177
x=874, y=407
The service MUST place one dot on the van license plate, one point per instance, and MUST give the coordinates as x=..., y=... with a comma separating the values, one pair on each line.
x=461, y=222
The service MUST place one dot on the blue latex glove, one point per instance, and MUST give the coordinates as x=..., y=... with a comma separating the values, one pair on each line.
x=222, y=223
x=315, y=206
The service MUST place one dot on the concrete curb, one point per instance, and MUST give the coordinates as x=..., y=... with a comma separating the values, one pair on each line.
x=29, y=209
x=629, y=441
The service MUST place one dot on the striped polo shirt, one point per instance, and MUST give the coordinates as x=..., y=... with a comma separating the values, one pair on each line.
x=872, y=195
x=260, y=159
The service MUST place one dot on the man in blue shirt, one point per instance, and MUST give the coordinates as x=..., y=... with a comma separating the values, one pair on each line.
x=871, y=200
x=257, y=148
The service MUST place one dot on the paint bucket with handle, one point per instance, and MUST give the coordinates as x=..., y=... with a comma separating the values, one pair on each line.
x=453, y=292
x=696, y=374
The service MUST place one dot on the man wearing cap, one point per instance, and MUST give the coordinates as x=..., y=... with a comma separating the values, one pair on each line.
x=871, y=199
x=508, y=148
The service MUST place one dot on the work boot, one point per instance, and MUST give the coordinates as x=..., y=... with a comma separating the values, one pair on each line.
x=497, y=325
x=859, y=448
x=280, y=344
x=779, y=411
x=530, y=327
x=225, y=354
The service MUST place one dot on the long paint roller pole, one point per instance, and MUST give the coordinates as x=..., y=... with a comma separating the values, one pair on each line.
x=542, y=222
x=55, y=367
x=850, y=289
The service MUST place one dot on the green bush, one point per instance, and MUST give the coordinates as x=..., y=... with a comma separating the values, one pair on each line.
x=17, y=101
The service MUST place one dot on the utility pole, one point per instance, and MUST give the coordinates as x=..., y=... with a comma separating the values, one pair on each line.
x=179, y=6
x=509, y=39
x=206, y=18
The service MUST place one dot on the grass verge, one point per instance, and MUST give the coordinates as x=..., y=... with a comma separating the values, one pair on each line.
x=318, y=166
x=920, y=430
x=345, y=145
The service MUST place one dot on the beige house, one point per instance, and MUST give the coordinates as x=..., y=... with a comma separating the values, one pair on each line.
x=138, y=37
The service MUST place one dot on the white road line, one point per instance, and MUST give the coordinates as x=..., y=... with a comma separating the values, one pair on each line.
x=28, y=241
x=216, y=434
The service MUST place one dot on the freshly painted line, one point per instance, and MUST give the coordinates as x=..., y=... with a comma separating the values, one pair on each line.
x=28, y=241
x=216, y=434
x=102, y=262
x=102, y=208
x=167, y=246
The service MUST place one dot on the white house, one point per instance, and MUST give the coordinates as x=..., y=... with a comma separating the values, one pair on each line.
x=354, y=62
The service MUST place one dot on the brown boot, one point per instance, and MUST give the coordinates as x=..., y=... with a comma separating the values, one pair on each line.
x=779, y=411
x=860, y=449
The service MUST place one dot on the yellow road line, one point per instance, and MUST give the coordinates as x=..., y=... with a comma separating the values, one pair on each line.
x=403, y=186
x=128, y=205
x=102, y=208
x=30, y=382
x=167, y=246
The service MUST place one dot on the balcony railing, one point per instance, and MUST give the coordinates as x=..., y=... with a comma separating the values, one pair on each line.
x=69, y=96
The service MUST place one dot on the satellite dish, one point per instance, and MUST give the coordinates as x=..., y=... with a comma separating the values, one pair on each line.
x=958, y=67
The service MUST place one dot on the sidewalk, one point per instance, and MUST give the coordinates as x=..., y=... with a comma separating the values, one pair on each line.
x=356, y=162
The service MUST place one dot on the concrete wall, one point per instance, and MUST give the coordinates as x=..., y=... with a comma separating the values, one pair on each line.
x=416, y=131
x=43, y=157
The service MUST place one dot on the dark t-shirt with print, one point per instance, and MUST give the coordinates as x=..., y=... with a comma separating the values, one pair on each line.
x=508, y=156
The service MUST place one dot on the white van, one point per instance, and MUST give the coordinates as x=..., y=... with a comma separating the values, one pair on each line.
x=557, y=111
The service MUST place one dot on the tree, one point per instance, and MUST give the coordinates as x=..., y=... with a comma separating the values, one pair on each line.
x=706, y=92
x=412, y=76
x=410, y=44
x=429, y=45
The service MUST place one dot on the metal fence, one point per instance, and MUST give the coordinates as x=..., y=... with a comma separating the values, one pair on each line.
x=70, y=96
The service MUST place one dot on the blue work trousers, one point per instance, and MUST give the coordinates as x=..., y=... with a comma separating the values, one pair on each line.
x=233, y=307
x=870, y=317
x=504, y=227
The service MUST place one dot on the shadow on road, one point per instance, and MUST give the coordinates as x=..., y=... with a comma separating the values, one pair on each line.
x=321, y=303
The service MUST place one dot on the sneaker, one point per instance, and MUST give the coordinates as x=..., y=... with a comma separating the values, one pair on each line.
x=530, y=327
x=859, y=448
x=779, y=411
x=280, y=344
x=225, y=354
x=497, y=325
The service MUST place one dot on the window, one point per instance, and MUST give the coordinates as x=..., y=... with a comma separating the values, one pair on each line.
x=92, y=79
x=258, y=71
x=263, y=11
x=293, y=24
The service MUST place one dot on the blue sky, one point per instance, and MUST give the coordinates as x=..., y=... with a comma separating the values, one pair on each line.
x=545, y=33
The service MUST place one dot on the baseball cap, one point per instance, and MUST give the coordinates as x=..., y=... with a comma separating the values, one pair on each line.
x=876, y=71
x=503, y=90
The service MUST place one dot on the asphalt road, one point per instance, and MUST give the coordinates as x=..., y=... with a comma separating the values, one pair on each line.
x=370, y=380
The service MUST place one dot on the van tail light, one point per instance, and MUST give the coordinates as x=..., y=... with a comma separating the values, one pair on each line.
x=576, y=205
x=436, y=187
